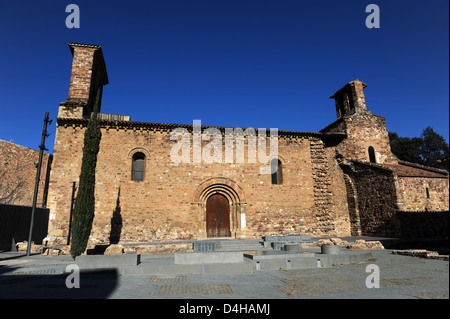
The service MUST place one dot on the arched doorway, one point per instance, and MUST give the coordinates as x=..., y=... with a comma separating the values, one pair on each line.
x=218, y=216
x=231, y=198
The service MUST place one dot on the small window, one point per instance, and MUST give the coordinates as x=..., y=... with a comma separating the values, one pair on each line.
x=372, y=155
x=277, y=172
x=138, y=167
x=428, y=192
x=350, y=100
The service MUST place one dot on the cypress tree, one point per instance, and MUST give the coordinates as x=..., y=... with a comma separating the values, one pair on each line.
x=84, y=207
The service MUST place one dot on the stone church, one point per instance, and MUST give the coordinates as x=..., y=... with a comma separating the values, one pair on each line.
x=342, y=180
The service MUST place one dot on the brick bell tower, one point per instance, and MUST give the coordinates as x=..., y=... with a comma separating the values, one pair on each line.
x=367, y=137
x=86, y=81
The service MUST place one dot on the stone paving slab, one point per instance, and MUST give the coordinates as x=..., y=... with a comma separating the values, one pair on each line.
x=401, y=277
x=158, y=278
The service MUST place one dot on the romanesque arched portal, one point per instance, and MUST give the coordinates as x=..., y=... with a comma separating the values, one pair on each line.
x=229, y=192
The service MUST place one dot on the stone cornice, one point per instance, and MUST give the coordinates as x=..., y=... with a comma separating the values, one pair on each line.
x=150, y=126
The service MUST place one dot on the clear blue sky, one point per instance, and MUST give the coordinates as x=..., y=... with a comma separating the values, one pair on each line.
x=241, y=63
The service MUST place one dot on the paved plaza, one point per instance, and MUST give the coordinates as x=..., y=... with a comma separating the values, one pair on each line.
x=400, y=277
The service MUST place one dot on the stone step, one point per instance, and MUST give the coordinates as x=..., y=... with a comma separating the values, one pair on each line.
x=237, y=249
x=238, y=245
x=235, y=242
x=227, y=245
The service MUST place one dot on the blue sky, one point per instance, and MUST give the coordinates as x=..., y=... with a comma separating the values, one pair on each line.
x=246, y=63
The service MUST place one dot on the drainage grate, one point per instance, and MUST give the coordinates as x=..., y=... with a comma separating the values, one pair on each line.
x=318, y=285
x=33, y=272
x=180, y=278
x=195, y=290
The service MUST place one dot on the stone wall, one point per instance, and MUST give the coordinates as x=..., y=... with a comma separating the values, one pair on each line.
x=375, y=193
x=166, y=206
x=423, y=194
x=376, y=198
x=18, y=175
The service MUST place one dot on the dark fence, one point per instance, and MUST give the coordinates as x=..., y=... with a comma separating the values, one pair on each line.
x=431, y=225
x=15, y=225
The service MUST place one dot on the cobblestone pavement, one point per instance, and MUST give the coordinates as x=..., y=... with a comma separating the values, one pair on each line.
x=400, y=277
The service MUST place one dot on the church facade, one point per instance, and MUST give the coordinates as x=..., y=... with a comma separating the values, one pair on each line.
x=342, y=180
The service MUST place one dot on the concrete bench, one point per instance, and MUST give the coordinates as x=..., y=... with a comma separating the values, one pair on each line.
x=209, y=258
x=107, y=261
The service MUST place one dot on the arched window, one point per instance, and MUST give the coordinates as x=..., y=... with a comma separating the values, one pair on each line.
x=372, y=155
x=138, y=167
x=277, y=171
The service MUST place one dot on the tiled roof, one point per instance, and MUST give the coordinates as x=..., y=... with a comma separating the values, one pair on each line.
x=415, y=170
x=406, y=169
x=130, y=124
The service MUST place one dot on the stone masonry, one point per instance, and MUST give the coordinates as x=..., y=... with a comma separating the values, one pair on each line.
x=18, y=175
x=330, y=186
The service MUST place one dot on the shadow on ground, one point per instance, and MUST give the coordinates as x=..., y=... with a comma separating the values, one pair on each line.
x=42, y=284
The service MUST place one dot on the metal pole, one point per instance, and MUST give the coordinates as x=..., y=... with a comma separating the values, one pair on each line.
x=38, y=177
x=74, y=189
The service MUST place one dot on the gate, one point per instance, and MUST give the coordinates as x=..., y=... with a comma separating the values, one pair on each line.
x=15, y=225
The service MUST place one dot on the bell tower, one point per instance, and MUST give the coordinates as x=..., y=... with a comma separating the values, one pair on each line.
x=350, y=99
x=87, y=79
x=367, y=137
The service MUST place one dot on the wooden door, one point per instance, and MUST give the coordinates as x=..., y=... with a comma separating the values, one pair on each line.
x=218, y=216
